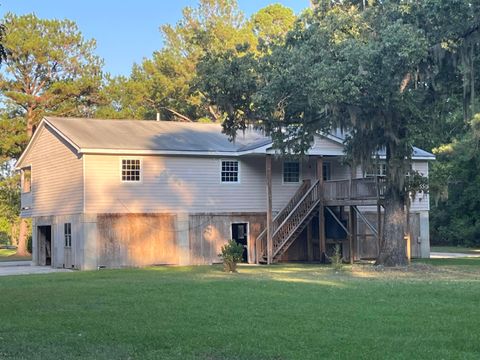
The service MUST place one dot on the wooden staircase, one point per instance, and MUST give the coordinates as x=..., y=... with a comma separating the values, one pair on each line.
x=290, y=221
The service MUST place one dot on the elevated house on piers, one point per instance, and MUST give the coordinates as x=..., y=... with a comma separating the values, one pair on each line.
x=117, y=193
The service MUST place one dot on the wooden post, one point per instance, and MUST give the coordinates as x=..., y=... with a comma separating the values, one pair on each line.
x=321, y=215
x=379, y=227
x=268, y=167
x=351, y=216
x=258, y=252
x=409, y=247
x=409, y=234
x=351, y=230
x=309, y=242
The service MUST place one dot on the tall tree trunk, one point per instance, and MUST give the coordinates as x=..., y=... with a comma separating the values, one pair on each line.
x=393, y=250
x=30, y=118
x=23, y=233
x=22, y=239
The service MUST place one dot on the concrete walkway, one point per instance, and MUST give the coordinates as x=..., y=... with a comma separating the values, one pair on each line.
x=450, y=255
x=25, y=268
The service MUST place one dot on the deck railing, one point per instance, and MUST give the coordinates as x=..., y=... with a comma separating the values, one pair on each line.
x=289, y=220
x=354, y=189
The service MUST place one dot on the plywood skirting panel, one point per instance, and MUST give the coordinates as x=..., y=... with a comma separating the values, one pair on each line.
x=136, y=240
x=209, y=232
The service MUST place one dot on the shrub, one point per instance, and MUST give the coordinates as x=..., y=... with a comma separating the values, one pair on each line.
x=337, y=259
x=231, y=255
x=29, y=244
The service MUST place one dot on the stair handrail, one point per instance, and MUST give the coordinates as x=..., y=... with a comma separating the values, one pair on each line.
x=301, y=191
x=315, y=184
x=287, y=208
x=300, y=202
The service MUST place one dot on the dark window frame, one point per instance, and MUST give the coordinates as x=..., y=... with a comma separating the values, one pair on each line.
x=291, y=172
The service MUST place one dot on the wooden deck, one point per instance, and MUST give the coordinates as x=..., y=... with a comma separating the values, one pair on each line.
x=354, y=192
x=312, y=200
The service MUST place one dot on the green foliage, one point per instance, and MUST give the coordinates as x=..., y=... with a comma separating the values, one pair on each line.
x=231, y=254
x=5, y=231
x=13, y=137
x=230, y=80
x=29, y=244
x=271, y=24
x=10, y=197
x=393, y=73
x=456, y=208
x=49, y=69
x=164, y=83
x=336, y=260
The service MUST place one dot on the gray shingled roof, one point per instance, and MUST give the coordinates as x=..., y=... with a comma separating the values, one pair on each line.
x=164, y=136
x=154, y=135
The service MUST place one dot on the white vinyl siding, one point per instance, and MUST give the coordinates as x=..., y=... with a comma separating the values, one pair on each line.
x=325, y=146
x=57, y=177
x=174, y=184
x=422, y=200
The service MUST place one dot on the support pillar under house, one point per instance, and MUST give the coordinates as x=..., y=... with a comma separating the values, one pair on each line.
x=321, y=215
x=268, y=168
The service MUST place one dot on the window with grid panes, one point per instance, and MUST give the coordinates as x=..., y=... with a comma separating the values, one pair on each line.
x=291, y=171
x=130, y=170
x=377, y=170
x=229, y=171
x=68, y=234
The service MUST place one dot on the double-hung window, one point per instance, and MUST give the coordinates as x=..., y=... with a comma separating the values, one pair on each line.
x=131, y=170
x=230, y=171
x=291, y=171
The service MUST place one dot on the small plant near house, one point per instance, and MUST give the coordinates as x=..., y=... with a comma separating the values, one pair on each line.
x=231, y=255
x=337, y=259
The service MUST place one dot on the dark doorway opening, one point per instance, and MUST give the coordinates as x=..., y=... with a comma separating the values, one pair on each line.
x=44, y=245
x=240, y=235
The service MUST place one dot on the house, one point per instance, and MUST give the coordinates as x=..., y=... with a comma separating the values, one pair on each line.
x=115, y=193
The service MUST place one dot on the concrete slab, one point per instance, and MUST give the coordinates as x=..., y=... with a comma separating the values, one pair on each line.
x=14, y=263
x=27, y=270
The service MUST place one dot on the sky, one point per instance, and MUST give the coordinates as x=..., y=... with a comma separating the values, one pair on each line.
x=126, y=31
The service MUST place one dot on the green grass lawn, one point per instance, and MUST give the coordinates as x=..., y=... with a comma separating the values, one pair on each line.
x=274, y=312
x=455, y=249
x=9, y=255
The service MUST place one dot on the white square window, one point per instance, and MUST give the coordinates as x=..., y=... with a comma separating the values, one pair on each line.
x=131, y=170
x=230, y=170
x=291, y=171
